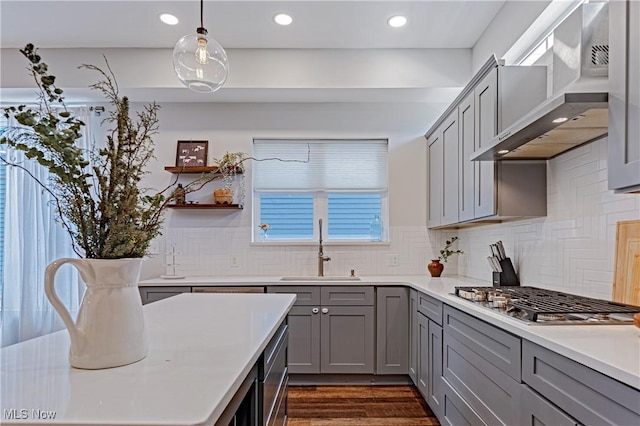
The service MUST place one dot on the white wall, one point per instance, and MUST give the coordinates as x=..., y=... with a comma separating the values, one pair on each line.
x=572, y=249
x=509, y=24
x=207, y=239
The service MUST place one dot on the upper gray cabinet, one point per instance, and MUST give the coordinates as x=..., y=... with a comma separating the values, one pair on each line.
x=443, y=173
x=462, y=191
x=624, y=96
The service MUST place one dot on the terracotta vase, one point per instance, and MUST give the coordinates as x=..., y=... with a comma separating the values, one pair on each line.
x=435, y=267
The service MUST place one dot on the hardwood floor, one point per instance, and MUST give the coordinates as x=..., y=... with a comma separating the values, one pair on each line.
x=358, y=405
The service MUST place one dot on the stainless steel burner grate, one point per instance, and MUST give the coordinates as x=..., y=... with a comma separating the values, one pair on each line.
x=541, y=304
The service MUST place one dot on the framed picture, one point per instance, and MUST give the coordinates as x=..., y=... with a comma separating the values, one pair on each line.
x=192, y=153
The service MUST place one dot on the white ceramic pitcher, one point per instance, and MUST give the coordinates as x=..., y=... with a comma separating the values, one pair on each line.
x=110, y=330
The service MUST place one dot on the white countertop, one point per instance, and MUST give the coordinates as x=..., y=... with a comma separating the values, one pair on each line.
x=201, y=348
x=613, y=350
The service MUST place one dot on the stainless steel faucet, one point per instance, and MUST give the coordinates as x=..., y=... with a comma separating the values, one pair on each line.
x=321, y=257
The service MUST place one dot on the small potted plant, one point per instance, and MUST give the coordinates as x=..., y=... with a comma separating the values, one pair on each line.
x=435, y=267
x=229, y=165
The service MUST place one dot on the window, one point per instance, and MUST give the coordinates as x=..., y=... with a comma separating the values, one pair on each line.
x=298, y=182
x=538, y=51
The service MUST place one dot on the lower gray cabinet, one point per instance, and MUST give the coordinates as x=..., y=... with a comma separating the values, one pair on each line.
x=413, y=336
x=331, y=328
x=392, y=330
x=153, y=294
x=304, y=340
x=482, y=363
x=423, y=355
x=435, y=392
x=456, y=411
x=429, y=383
x=587, y=395
x=537, y=411
x=347, y=339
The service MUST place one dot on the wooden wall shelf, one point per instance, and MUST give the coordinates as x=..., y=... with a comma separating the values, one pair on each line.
x=191, y=169
x=195, y=169
x=206, y=206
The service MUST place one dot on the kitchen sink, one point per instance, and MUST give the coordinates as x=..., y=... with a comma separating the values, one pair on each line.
x=347, y=278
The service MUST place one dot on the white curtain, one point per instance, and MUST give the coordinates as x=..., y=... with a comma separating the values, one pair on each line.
x=33, y=239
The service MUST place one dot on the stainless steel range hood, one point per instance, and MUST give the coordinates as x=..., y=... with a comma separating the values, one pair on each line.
x=577, y=112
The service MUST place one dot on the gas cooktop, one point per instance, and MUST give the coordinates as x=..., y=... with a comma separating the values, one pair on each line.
x=548, y=307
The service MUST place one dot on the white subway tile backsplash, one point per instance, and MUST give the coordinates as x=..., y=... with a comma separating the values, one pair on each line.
x=208, y=252
x=572, y=249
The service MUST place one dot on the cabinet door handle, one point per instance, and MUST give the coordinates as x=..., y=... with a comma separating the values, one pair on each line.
x=325, y=310
x=315, y=310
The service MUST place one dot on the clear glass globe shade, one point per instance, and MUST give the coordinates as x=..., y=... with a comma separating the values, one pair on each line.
x=200, y=63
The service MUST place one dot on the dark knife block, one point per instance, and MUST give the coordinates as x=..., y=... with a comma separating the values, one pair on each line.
x=508, y=275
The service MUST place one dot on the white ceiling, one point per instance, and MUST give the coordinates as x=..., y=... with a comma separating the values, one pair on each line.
x=249, y=24
x=245, y=24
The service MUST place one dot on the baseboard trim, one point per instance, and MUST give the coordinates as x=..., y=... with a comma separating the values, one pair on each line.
x=348, y=379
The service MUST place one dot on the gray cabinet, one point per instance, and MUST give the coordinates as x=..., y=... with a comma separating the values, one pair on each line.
x=413, y=336
x=486, y=127
x=430, y=307
x=436, y=177
x=482, y=364
x=429, y=381
x=153, y=294
x=429, y=346
x=347, y=339
x=624, y=96
x=392, y=330
x=537, y=411
x=331, y=329
x=456, y=411
x=506, y=189
x=304, y=339
x=467, y=168
x=485, y=190
x=584, y=394
x=435, y=391
x=450, y=171
x=443, y=173
x=423, y=355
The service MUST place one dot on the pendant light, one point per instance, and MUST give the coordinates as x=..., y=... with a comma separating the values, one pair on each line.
x=200, y=61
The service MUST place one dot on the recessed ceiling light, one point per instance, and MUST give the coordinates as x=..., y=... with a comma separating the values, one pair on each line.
x=397, y=21
x=503, y=151
x=282, y=19
x=168, y=19
x=560, y=120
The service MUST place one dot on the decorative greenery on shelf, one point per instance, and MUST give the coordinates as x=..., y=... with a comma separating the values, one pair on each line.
x=230, y=165
x=446, y=252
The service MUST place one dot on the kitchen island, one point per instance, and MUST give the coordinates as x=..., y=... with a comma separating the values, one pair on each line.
x=202, y=347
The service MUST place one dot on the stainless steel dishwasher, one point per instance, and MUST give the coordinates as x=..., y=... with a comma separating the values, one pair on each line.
x=252, y=289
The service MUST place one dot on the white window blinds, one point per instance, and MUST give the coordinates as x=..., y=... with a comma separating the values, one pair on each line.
x=320, y=165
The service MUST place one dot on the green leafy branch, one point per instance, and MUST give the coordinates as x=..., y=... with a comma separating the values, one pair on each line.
x=446, y=252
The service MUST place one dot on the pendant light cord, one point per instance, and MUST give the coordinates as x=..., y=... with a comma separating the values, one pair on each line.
x=201, y=29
